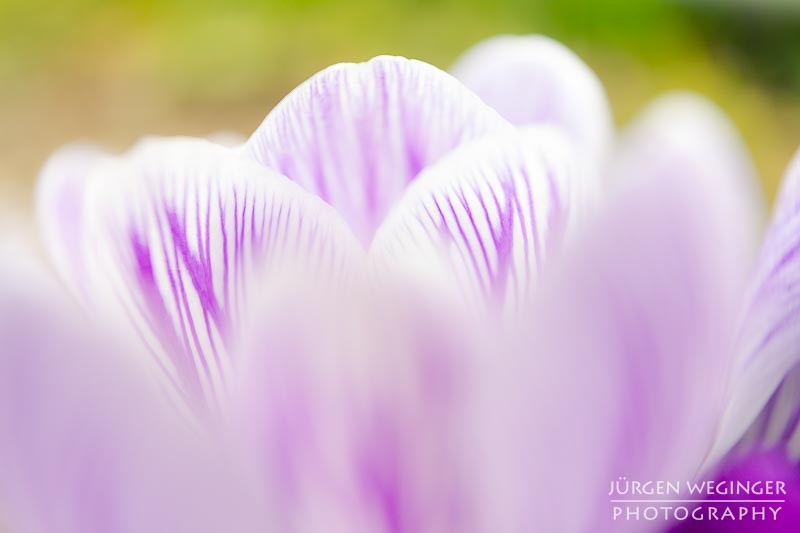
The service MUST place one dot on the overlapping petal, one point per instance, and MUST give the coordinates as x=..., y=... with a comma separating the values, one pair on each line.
x=179, y=233
x=487, y=216
x=357, y=134
x=620, y=370
x=535, y=80
x=86, y=444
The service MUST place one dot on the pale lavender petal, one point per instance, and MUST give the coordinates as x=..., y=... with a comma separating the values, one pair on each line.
x=769, y=337
x=620, y=369
x=685, y=134
x=86, y=443
x=357, y=134
x=488, y=216
x=60, y=208
x=535, y=80
x=354, y=409
x=183, y=232
x=297, y=401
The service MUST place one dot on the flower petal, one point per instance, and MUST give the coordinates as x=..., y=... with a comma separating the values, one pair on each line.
x=357, y=134
x=60, y=210
x=619, y=370
x=685, y=134
x=296, y=401
x=86, y=443
x=488, y=215
x=769, y=337
x=354, y=409
x=535, y=80
x=181, y=232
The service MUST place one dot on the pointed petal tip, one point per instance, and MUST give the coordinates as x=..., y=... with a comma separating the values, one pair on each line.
x=357, y=134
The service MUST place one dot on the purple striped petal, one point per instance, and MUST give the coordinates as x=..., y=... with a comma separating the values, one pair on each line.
x=357, y=134
x=620, y=369
x=769, y=337
x=86, y=443
x=181, y=234
x=535, y=80
x=487, y=216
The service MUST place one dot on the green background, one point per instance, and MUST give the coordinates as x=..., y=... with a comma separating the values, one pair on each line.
x=112, y=71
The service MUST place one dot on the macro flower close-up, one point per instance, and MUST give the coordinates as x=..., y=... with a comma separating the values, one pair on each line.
x=413, y=299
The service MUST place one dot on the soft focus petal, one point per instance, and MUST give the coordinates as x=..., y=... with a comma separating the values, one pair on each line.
x=86, y=444
x=354, y=409
x=769, y=338
x=535, y=80
x=488, y=216
x=297, y=401
x=357, y=134
x=620, y=370
x=686, y=134
x=60, y=209
x=180, y=234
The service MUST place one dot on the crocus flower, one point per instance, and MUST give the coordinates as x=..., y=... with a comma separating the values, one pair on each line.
x=390, y=309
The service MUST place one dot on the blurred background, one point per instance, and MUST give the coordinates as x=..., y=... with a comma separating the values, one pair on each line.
x=114, y=70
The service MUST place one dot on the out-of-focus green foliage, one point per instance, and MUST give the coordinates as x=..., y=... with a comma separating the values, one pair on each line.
x=190, y=54
x=206, y=48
